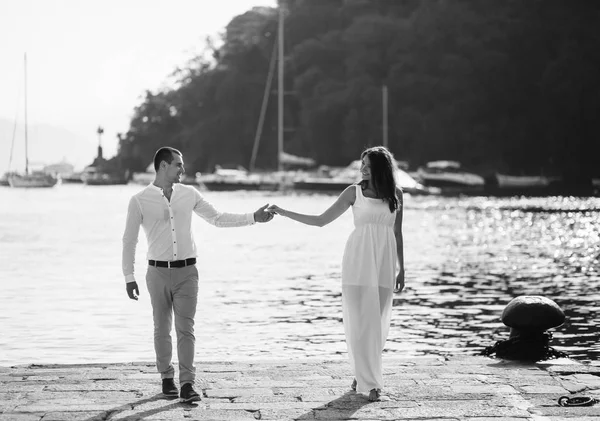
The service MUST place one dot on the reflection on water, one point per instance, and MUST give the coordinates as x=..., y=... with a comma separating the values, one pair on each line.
x=496, y=250
x=274, y=290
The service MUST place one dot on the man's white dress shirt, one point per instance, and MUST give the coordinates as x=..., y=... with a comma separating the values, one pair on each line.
x=168, y=224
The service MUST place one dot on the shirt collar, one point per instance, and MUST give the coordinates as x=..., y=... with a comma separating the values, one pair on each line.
x=158, y=189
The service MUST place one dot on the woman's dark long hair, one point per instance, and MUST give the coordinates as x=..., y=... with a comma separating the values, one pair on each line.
x=382, y=175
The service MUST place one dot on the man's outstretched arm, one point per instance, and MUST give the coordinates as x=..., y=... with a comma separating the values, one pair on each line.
x=208, y=212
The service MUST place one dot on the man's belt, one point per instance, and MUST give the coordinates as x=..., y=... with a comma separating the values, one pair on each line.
x=173, y=263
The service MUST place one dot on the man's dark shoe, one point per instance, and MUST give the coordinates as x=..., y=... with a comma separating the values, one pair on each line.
x=188, y=394
x=169, y=389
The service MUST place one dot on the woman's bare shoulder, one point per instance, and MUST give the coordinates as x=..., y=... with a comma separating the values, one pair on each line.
x=349, y=193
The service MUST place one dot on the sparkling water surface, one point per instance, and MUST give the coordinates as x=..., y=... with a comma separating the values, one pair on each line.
x=273, y=290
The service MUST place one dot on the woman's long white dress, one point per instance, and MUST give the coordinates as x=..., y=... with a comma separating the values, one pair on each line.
x=368, y=276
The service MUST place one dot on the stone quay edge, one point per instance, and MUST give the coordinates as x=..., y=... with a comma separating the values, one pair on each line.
x=416, y=388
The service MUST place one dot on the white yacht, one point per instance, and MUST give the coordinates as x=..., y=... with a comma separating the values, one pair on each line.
x=449, y=175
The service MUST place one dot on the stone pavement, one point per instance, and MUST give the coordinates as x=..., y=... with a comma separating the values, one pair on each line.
x=456, y=388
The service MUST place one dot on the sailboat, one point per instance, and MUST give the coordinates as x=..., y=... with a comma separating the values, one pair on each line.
x=34, y=178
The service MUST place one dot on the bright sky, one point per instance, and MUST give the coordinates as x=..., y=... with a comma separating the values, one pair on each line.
x=89, y=61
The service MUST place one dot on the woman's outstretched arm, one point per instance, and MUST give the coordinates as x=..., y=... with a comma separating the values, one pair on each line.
x=343, y=202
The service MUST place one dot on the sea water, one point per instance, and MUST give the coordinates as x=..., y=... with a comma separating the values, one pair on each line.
x=273, y=290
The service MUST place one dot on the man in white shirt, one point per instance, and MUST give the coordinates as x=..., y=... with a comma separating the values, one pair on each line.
x=164, y=209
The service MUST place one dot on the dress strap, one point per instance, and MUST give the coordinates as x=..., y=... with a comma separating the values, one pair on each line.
x=358, y=192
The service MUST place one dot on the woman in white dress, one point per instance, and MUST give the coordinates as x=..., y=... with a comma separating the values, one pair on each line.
x=369, y=266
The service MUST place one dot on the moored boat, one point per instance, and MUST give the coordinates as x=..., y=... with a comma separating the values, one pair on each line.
x=525, y=185
x=93, y=176
x=33, y=179
x=334, y=180
x=237, y=179
x=512, y=181
x=4, y=179
x=72, y=178
x=450, y=177
x=321, y=184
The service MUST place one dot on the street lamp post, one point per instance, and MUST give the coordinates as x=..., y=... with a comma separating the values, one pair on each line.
x=100, y=130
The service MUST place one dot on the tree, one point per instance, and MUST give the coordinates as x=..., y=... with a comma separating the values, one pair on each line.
x=506, y=86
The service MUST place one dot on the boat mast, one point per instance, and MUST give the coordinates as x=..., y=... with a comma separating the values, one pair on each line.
x=26, y=145
x=263, y=108
x=12, y=142
x=280, y=91
x=384, y=96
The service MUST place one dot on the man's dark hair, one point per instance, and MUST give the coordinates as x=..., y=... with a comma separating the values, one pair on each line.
x=164, y=154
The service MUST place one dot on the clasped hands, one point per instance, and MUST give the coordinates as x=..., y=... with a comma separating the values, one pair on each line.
x=264, y=214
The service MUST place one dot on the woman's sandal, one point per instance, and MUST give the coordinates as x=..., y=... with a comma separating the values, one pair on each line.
x=353, y=385
x=374, y=395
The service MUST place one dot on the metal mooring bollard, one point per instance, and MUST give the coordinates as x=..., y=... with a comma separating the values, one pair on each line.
x=529, y=316
x=532, y=313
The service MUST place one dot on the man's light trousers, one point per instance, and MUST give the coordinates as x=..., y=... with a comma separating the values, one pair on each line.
x=174, y=291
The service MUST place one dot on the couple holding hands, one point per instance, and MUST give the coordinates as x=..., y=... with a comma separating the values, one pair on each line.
x=372, y=266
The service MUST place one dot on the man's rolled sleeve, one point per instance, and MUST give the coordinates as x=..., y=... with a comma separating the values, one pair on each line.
x=210, y=214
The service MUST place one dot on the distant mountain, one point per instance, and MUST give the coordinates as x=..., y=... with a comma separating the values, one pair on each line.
x=47, y=145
